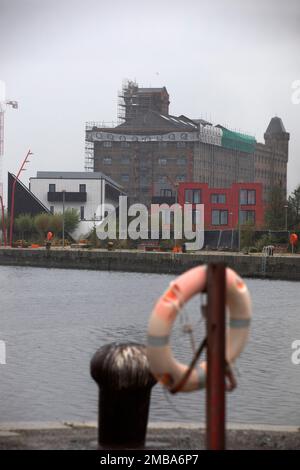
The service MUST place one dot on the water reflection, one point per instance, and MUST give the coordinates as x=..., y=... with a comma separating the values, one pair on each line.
x=54, y=320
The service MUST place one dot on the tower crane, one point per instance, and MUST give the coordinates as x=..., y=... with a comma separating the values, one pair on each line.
x=4, y=103
x=3, y=106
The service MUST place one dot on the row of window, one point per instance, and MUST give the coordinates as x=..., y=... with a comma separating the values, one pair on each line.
x=52, y=188
x=160, y=179
x=164, y=161
x=193, y=196
x=220, y=217
x=123, y=144
x=164, y=179
x=161, y=161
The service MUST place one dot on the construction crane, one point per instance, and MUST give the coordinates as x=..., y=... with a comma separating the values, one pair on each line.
x=3, y=106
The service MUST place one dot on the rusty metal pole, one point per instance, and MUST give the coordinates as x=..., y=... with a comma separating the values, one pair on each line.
x=215, y=391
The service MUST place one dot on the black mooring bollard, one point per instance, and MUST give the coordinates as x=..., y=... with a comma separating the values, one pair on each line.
x=122, y=372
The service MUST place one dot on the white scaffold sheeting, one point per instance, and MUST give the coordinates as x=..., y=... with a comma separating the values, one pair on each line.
x=206, y=134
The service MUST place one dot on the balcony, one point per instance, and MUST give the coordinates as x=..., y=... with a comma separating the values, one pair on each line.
x=57, y=196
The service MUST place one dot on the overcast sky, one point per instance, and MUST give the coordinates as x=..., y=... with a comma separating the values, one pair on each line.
x=231, y=62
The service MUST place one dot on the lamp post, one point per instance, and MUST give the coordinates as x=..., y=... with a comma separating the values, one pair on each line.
x=231, y=223
x=63, y=221
x=239, y=223
x=286, y=216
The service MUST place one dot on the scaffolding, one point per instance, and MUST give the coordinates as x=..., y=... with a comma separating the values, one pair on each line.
x=89, y=144
x=89, y=156
x=127, y=101
x=134, y=101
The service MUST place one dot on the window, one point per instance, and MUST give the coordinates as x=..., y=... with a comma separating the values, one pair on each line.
x=163, y=144
x=125, y=160
x=247, y=216
x=192, y=196
x=180, y=177
x=247, y=196
x=218, y=198
x=82, y=188
x=181, y=161
x=107, y=160
x=162, y=179
x=52, y=209
x=166, y=192
x=125, y=144
x=162, y=161
x=51, y=188
x=82, y=212
x=219, y=217
x=107, y=143
x=125, y=178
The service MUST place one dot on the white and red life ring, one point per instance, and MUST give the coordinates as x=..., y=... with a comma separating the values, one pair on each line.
x=163, y=365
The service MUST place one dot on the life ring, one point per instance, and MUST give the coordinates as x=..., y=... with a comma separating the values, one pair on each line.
x=163, y=365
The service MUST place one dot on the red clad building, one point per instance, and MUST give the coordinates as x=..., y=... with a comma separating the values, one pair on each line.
x=222, y=205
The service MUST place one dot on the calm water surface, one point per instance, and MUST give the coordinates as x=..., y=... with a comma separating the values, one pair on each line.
x=54, y=320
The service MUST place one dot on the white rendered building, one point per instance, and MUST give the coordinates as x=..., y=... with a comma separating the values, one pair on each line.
x=86, y=192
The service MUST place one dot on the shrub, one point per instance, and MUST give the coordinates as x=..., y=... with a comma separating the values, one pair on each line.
x=42, y=223
x=265, y=240
x=56, y=222
x=23, y=224
x=253, y=249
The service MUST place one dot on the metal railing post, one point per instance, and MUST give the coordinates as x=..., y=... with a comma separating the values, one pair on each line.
x=216, y=362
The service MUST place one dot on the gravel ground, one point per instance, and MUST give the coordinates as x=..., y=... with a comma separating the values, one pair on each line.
x=80, y=438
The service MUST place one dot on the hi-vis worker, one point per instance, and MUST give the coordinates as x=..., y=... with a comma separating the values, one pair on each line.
x=163, y=365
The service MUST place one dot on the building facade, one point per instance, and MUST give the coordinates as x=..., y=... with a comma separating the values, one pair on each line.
x=85, y=192
x=151, y=152
x=225, y=208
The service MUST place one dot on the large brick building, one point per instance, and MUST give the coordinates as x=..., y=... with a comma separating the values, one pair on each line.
x=151, y=151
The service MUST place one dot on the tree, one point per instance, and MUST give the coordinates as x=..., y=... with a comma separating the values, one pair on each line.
x=56, y=222
x=275, y=212
x=42, y=223
x=23, y=224
x=72, y=220
x=294, y=209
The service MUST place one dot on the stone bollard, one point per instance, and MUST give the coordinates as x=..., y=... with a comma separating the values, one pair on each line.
x=122, y=373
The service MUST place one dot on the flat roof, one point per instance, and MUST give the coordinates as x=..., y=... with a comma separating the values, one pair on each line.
x=80, y=175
